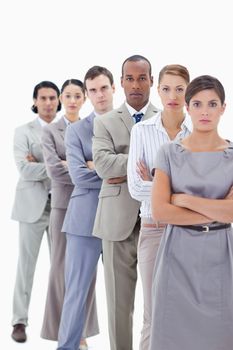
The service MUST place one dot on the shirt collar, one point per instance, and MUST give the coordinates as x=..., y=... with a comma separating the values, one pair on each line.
x=66, y=120
x=157, y=120
x=96, y=114
x=132, y=111
x=42, y=122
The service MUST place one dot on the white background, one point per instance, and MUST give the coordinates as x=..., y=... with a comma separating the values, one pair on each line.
x=57, y=40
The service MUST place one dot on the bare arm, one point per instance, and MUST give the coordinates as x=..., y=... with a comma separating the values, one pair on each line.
x=165, y=211
x=217, y=209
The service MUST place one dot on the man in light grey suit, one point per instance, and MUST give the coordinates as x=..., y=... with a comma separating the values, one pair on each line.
x=32, y=203
x=82, y=249
x=117, y=218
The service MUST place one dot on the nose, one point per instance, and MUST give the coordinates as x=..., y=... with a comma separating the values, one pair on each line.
x=48, y=101
x=135, y=84
x=100, y=93
x=204, y=112
x=172, y=95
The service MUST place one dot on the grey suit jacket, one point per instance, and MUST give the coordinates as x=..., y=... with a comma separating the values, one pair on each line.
x=53, y=146
x=117, y=211
x=33, y=186
x=81, y=210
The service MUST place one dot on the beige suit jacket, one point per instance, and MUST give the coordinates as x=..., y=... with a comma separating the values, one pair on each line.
x=117, y=211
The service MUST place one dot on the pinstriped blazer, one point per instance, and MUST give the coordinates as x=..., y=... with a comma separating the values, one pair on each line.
x=53, y=146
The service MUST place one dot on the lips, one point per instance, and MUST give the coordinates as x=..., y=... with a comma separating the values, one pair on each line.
x=204, y=121
x=172, y=104
x=135, y=95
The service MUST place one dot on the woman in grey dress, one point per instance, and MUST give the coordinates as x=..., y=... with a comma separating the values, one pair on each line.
x=192, y=192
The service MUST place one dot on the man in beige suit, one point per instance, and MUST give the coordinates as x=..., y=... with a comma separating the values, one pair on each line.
x=32, y=199
x=117, y=218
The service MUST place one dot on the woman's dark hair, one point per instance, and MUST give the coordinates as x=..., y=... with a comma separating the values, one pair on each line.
x=136, y=58
x=95, y=71
x=204, y=82
x=73, y=82
x=45, y=84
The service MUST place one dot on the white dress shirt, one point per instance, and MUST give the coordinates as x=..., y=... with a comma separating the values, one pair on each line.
x=133, y=111
x=146, y=138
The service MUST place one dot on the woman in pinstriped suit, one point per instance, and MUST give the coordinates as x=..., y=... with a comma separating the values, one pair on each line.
x=72, y=98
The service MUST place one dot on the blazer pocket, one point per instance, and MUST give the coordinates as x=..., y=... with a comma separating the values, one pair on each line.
x=111, y=191
x=79, y=192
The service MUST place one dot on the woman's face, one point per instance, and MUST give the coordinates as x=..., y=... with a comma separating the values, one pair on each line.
x=72, y=99
x=172, y=91
x=205, y=109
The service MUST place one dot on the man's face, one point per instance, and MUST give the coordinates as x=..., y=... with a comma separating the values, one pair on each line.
x=136, y=82
x=100, y=92
x=47, y=102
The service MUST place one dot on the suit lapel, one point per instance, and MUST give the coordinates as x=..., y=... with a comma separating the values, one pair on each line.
x=90, y=119
x=128, y=120
x=125, y=117
x=61, y=127
x=36, y=129
x=151, y=110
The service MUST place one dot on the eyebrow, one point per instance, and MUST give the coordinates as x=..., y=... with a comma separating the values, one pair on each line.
x=170, y=85
x=214, y=100
x=141, y=75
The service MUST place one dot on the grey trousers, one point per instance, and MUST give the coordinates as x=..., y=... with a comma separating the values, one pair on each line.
x=30, y=237
x=120, y=269
x=148, y=244
x=56, y=285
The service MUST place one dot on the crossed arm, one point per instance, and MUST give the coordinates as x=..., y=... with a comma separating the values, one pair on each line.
x=185, y=209
x=109, y=165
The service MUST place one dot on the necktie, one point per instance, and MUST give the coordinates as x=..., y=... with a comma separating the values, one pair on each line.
x=138, y=117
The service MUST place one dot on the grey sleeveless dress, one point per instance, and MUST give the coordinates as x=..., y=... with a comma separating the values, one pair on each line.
x=193, y=276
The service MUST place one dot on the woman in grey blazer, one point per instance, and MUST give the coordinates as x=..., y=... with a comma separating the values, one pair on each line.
x=72, y=98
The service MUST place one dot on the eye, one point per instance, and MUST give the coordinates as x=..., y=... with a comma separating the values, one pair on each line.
x=165, y=89
x=213, y=104
x=180, y=90
x=196, y=104
x=129, y=79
